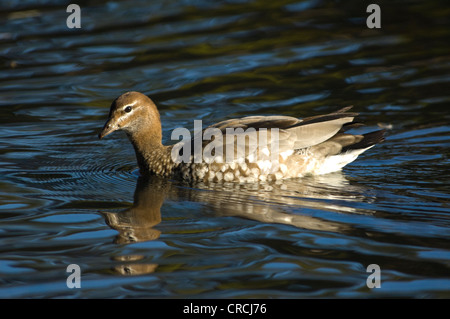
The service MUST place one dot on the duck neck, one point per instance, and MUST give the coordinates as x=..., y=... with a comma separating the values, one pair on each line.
x=150, y=152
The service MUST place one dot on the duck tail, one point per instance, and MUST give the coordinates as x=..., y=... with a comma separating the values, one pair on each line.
x=368, y=140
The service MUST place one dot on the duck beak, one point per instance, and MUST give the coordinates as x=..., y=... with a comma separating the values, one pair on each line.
x=109, y=127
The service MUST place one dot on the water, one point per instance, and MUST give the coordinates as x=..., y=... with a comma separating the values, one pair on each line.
x=68, y=198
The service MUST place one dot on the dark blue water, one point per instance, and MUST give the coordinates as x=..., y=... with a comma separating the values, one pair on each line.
x=68, y=198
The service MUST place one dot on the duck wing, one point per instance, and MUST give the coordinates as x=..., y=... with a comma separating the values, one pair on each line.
x=292, y=133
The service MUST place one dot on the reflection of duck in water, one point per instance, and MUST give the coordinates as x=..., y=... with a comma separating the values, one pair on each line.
x=136, y=223
x=264, y=202
x=289, y=147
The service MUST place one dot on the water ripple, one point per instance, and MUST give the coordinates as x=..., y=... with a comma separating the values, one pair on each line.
x=66, y=197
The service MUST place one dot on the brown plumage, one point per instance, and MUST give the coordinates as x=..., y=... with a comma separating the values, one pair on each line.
x=313, y=145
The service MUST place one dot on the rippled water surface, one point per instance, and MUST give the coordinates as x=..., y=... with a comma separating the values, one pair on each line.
x=68, y=198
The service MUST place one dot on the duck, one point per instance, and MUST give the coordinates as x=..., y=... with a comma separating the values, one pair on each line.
x=292, y=148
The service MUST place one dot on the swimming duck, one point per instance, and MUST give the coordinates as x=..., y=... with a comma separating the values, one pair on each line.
x=292, y=147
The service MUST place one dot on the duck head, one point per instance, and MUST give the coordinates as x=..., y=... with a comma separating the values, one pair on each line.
x=136, y=114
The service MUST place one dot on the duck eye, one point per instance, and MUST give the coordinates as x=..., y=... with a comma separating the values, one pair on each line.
x=128, y=109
